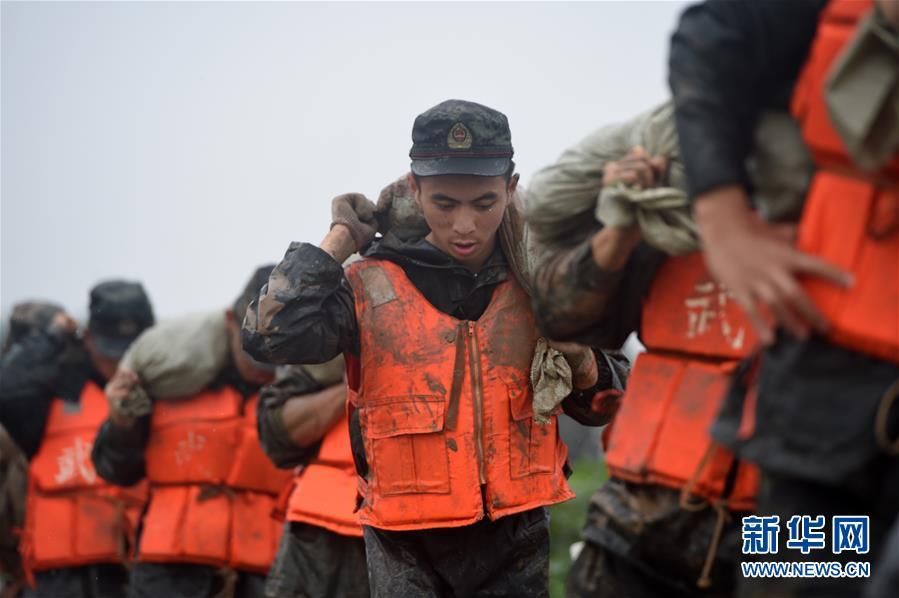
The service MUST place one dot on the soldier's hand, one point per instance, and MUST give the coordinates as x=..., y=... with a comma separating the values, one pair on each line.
x=636, y=169
x=64, y=323
x=117, y=390
x=756, y=261
x=357, y=213
x=584, y=372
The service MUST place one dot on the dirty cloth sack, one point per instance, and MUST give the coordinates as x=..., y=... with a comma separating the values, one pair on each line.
x=175, y=359
x=567, y=199
x=551, y=379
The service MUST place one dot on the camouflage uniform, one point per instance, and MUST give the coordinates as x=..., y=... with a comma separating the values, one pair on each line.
x=311, y=560
x=118, y=457
x=309, y=317
x=638, y=541
x=31, y=317
x=42, y=363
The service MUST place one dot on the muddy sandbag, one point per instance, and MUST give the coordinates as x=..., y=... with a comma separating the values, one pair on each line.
x=179, y=358
x=567, y=199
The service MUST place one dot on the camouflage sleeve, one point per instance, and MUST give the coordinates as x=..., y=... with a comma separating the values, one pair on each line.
x=597, y=406
x=28, y=371
x=305, y=314
x=576, y=300
x=118, y=453
x=290, y=381
x=573, y=298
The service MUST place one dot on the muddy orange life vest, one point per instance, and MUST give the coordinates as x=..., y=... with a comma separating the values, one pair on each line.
x=851, y=218
x=695, y=335
x=73, y=517
x=212, y=489
x=445, y=407
x=324, y=492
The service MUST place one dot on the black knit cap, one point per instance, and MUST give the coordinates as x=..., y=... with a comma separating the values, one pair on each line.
x=459, y=137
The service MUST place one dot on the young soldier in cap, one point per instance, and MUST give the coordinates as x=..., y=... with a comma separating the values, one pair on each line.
x=303, y=424
x=439, y=338
x=824, y=406
x=77, y=528
x=208, y=528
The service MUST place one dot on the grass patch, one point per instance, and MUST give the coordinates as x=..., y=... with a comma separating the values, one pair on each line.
x=567, y=520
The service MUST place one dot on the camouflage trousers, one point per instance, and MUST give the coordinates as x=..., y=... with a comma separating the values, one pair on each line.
x=640, y=543
x=155, y=580
x=93, y=581
x=507, y=557
x=313, y=562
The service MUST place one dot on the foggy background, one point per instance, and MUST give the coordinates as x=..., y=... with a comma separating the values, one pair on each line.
x=183, y=144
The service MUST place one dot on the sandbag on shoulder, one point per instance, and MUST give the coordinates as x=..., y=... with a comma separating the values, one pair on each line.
x=180, y=357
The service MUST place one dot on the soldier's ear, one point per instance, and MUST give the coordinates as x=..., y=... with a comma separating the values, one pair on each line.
x=513, y=183
x=413, y=186
x=229, y=317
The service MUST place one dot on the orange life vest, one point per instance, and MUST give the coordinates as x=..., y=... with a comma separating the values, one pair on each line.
x=851, y=218
x=695, y=335
x=324, y=492
x=73, y=517
x=445, y=407
x=212, y=489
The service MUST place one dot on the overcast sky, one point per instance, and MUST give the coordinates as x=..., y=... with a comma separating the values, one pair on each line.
x=183, y=144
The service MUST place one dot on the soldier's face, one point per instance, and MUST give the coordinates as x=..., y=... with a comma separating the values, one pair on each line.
x=106, y=366
x=464, y=213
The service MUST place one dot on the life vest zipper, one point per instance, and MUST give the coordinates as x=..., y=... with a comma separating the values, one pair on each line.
x=478, y=399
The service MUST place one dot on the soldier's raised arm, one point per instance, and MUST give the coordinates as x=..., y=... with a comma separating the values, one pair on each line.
x=308, y=297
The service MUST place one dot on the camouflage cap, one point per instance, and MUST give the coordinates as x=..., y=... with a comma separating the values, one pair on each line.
x=459, y=137
x=119, y=311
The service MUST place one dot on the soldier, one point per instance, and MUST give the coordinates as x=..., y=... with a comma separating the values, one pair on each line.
x=439, y=338
x=823, y=418
x=77, y=528
x=208, y=527
x=26, y=318
x=667, y=522
x=303, y=423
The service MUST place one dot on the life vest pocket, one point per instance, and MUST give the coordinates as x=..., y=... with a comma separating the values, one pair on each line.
x=255, y=534
x=661, y=433
x=201, y=452
x=251, y=468
x=406, y=445
x=532, y=446
x=182, y=525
